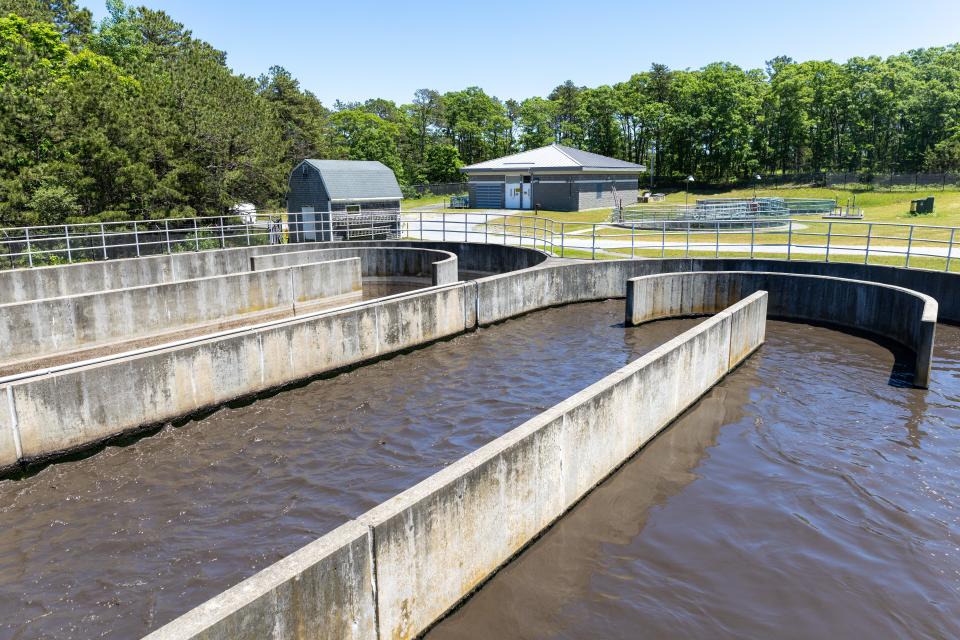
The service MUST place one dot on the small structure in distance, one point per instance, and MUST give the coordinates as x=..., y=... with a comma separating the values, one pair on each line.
x=343, y=200
x=556, y=178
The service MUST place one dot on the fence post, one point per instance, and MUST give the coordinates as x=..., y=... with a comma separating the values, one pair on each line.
x=29, y=251
x=593, y=249
x=950, y=248
x=663, y=241
x=66, y=234
x=136, y=237
x=717, y=253
x=789, y=237
x=246, y=228
x=486, y=228
x=866, y=255
x=223, y=240
x=909, y=246
x=829, y=236
x=196, y=235
x=166, y=232
x=688, y=240
x=421, y=226
x=753, y=235
x=633, y=238
x=103, y=240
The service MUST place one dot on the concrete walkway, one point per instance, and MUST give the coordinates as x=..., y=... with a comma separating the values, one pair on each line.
x=470, y=227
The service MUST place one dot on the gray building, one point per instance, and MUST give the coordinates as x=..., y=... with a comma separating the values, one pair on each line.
x=556, y=178
x=343, y=200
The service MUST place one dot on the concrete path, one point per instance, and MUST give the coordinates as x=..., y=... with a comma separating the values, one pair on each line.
x=470, y=227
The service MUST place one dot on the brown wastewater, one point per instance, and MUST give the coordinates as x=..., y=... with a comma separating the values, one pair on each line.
x=810, y=493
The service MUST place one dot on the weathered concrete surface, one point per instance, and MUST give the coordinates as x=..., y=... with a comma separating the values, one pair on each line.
x=54, y=325
x=76, y=406
x=322, y=591
x=433, y=544
x=902, y=315
x=376, y=262
x=21, y=285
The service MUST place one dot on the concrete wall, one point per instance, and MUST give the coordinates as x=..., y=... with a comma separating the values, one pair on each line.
x=406, y=562
x=55, y=325
x=75, y=406
x=899, y=314
x=21, y=285
x=376, y=262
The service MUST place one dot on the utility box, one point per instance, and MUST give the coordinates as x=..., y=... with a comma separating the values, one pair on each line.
x=922, y=206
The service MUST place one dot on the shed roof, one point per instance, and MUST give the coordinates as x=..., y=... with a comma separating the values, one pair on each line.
x=357, y=180
x=556, y=157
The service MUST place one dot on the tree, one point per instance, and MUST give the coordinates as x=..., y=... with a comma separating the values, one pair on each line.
x=443, y=164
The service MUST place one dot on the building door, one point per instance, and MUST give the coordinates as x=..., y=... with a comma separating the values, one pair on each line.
x=526, y=201
x=512, y=193
x=308, y=224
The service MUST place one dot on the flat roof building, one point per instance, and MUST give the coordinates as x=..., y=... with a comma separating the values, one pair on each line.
x=556, y=178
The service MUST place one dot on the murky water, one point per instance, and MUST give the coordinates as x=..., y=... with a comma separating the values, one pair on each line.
x=121, y=542
x=804, y=497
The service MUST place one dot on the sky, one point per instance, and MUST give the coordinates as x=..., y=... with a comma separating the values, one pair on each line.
x=357, y=49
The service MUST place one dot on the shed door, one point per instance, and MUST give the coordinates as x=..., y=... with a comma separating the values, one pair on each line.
x=512, y=193
x=525, y=199
x=308, y=221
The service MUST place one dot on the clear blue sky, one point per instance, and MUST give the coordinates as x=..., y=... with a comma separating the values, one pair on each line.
x=358, y=49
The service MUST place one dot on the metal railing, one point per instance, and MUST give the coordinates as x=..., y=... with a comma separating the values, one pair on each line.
x=917, y=246
x=85, y=242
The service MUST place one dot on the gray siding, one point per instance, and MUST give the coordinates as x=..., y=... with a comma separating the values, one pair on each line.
x=597, y=195
x=305, y=189
x=567, y=192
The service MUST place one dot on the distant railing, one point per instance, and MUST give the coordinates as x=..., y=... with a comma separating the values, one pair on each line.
x=904, y=245
x=725, y=209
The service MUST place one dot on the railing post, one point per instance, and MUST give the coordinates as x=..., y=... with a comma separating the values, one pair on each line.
x=66, y=234
x=593, y=246
x=829, y=236
x=753, y=235
x=246, y=228
x=443, y=218
x=563, y=239
x=688, y=240
x=633, y=238
x=950, y=248
x=789, y=238
x=909, y=246
x=223, y=239
x=663, y=241
x=196, y=235
x=717, y=253
x=136, y=237
x=29, y=251
x=866, y=254
x=486, y=228
x=421, y=226
x=103, y=241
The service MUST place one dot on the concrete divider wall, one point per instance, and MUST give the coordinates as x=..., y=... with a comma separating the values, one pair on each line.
x=75, y=406
x=54, y=325
x=21, y=285
x=902, y=315
x=433, y=544
x=376, y=262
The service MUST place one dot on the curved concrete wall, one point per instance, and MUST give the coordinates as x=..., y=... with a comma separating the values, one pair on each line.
x=56, y=325
x=899, y=314
x=21, y=285
x=75, y=406
x=398, y=568
x=375, y=262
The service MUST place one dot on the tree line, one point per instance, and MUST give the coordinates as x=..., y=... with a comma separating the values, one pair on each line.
x=133, y=117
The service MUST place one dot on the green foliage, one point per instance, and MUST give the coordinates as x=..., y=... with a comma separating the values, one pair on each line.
x=133, y=117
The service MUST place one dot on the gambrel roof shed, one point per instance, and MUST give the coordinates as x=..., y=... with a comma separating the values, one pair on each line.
x=354, y=180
